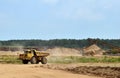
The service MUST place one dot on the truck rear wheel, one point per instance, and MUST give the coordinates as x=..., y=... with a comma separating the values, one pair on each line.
x=25, y=61
x=43, y=60
x=34, y=60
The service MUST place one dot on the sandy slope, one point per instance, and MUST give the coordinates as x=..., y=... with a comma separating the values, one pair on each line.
x=29, y=71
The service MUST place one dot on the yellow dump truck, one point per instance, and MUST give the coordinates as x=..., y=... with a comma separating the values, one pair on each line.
x=34, y=57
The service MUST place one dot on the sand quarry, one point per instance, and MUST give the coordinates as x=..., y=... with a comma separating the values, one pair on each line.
x=81, y=70
x=33, y=71
x=59, y=71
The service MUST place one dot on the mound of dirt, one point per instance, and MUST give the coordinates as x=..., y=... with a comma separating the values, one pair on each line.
x=106, y=72
x=99, y=71
x=93, y=50
x=64, y=52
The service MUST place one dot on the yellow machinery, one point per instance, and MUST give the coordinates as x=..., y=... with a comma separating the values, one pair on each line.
x=34, y=57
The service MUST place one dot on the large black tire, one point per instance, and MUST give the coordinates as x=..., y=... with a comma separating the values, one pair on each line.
x=34, y=60
x=43, y=60
x=25, y=61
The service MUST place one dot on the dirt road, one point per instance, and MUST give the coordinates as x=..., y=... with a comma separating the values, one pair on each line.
x=29, y=71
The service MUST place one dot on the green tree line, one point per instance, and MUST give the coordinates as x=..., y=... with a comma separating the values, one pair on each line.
x=70, y=43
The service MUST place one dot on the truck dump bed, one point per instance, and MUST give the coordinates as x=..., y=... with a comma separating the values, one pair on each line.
x=42, y=54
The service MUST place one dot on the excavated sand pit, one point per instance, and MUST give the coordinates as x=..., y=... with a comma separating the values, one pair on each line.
x=98, y=71
x=35, y=71
x=106, y=72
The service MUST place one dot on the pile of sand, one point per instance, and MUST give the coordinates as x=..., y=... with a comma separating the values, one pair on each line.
x=58, y=51
x=93, y=49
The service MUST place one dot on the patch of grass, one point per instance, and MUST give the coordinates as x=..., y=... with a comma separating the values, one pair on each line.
x=110, y=59
x=10, y=59
x=77, y=59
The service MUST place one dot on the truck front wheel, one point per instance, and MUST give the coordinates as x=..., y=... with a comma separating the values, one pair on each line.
x=43, y=60
x=25, y=61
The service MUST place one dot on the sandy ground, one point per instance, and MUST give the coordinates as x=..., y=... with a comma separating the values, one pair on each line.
x=30, y=71
x=105, y=70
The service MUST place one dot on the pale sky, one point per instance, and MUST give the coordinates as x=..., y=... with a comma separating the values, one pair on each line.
x=59, y=19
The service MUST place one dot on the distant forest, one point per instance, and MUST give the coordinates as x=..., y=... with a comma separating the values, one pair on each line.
x=69, y=43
